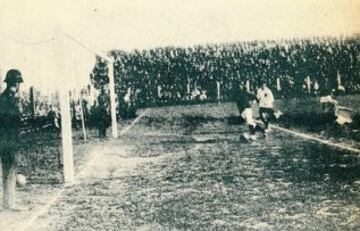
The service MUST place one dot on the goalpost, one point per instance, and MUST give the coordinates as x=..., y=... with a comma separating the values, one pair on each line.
x=64, y=101
x=67, y=145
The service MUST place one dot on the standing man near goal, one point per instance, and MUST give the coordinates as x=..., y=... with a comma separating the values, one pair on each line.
x=10, y=120
x=266, y=106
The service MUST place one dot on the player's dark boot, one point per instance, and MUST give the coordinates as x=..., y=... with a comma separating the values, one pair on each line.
x=252, y=129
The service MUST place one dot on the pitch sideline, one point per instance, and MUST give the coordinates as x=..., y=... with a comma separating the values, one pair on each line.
x=299, y=134
x=323, y=141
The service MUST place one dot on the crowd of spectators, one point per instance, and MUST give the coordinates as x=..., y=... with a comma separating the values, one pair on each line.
x=170, y=75
x=291, y=68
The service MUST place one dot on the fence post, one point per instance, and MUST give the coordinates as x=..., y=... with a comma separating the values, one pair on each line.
x=278, y=84
x=32, y=102
x=248, y=85
x=114, y=128
x=82, y=116
x=338, y=77
x=218, y=89
x=188, y=86
x=159, y=91
x=308, y=84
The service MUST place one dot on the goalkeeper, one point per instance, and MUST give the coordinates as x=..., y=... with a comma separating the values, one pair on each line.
x=244, y=100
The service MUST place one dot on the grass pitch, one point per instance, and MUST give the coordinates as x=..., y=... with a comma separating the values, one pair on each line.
x=185, y=168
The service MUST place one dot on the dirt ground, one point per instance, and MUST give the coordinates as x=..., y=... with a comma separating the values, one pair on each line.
x=186, y=168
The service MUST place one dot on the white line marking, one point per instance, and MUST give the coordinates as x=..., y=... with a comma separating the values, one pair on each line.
x=165, y=134
x=122, y=132
x=44, y=209
x=127, y=128
x=302, y=135
x=309, y=137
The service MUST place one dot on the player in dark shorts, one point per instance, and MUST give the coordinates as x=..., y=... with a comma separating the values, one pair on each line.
x=244, y=100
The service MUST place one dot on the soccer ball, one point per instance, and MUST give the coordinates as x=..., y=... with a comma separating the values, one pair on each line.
x=246, y=136
x=20, y=180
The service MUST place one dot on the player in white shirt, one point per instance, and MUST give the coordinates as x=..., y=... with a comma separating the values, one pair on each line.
x=266, y=106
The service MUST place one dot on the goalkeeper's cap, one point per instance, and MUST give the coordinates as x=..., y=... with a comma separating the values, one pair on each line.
x=13, y=76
